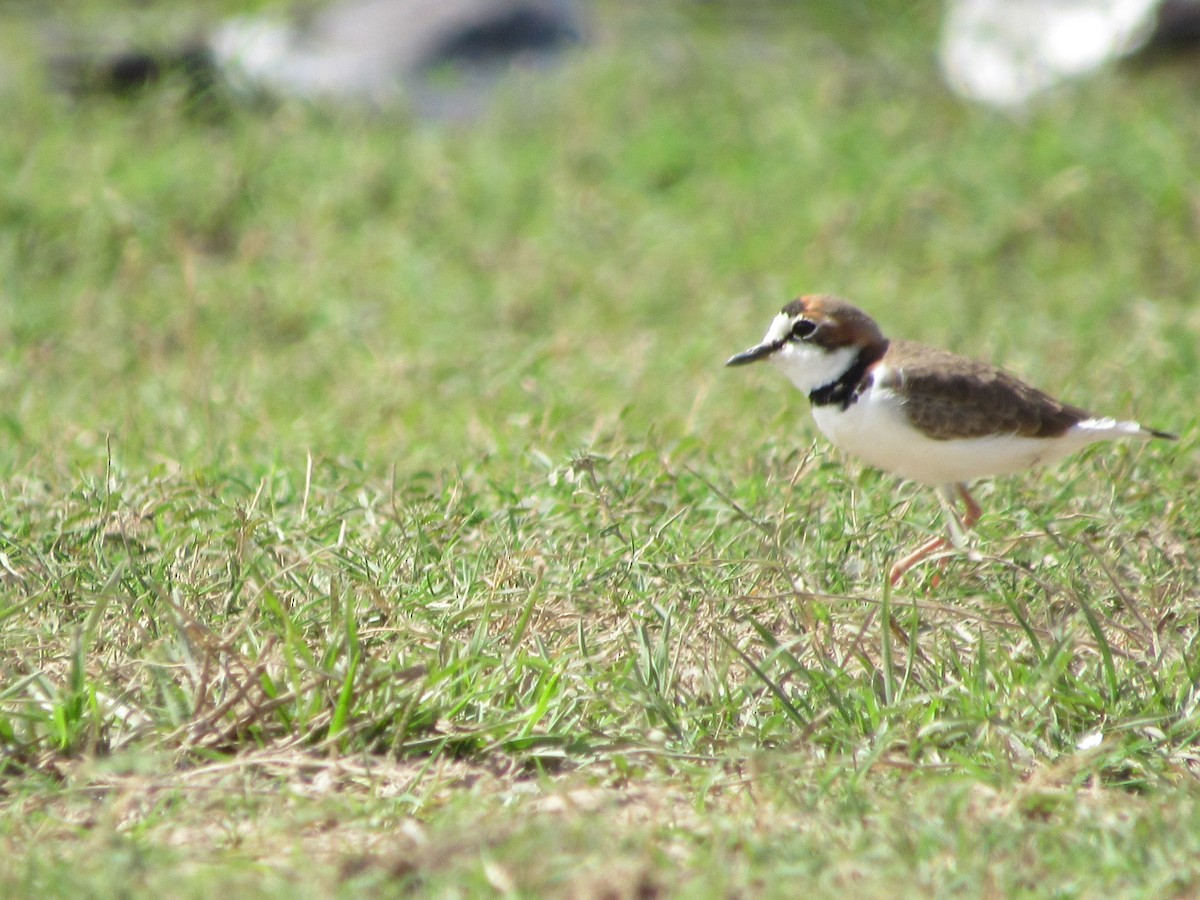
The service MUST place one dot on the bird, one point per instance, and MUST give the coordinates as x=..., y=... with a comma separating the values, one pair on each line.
x=921, y=412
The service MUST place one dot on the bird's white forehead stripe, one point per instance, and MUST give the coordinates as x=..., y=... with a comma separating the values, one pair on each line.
x=780, y=326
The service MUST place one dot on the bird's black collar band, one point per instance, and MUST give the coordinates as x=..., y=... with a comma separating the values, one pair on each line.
x=846, y=390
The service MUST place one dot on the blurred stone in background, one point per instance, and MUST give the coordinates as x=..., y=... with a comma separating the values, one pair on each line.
x=1005, y=52
x=439, y=55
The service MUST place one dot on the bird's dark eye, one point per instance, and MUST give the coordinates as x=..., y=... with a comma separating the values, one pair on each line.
x=802, y=329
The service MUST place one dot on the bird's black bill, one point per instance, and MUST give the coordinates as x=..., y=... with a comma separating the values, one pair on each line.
x=754, y=354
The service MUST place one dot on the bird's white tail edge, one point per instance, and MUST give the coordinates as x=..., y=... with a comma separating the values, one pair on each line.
x=1103, y=429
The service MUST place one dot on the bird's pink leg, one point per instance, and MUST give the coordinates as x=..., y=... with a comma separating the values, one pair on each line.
x=974, y=511
x=971, y=515
x=927, y=548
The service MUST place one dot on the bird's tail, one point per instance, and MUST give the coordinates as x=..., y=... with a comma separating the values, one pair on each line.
x=1112, y=428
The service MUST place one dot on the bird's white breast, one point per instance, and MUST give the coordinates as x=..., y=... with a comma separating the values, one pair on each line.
x=876, y=430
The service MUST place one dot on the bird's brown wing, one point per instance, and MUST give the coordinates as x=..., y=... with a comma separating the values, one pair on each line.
x=948, y=397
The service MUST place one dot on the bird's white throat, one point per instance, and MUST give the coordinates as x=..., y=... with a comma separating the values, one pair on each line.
x=809, y=367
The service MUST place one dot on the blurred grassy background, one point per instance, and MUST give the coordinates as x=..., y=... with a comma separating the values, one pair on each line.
x=314, y=278
x=417, y=435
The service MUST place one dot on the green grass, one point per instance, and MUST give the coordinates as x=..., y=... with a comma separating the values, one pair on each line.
x=375, y=512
